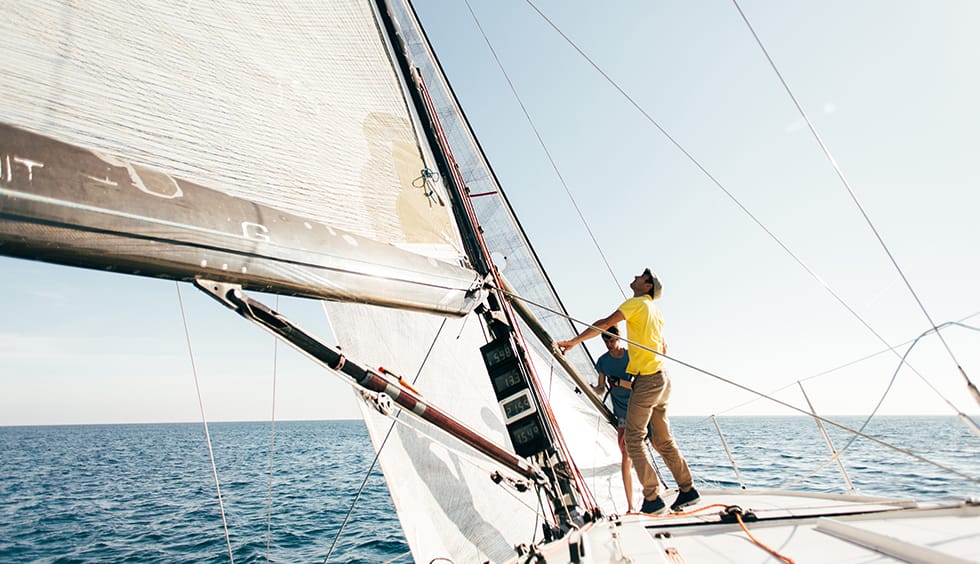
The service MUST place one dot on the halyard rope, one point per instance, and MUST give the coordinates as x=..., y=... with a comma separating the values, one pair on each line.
x=204, y=420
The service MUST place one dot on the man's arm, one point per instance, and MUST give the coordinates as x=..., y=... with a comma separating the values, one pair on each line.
x=590, y=332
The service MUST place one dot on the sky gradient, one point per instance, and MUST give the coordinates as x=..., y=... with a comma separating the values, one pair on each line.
x=890, y=86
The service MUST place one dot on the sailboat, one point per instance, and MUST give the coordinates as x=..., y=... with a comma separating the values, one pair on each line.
x=319, y=151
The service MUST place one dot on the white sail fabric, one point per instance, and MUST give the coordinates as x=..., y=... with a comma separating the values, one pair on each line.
x=448, y=505
x=295, y=105
x=590, y=438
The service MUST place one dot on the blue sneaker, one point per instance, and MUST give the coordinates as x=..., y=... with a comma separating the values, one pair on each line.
x=653, y=506
x=690, y=497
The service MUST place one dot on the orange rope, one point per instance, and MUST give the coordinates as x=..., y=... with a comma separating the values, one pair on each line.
x=679, y=514
x=785, y=559
x=698, y=510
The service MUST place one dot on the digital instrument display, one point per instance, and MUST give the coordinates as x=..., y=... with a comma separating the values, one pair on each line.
x=496, y=353
x=528, y=437
x=517, y=406
x=510, y=382
x=507, y=381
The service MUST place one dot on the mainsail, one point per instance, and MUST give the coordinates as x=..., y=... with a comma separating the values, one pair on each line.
x=295, y=115
x=249, y=164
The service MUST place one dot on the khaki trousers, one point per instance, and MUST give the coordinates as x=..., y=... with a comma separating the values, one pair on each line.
x=648, y=404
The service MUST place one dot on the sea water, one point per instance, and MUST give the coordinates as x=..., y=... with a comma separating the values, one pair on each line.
x=146, y=493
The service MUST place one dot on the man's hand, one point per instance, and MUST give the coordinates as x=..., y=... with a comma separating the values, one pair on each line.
x=563, y=346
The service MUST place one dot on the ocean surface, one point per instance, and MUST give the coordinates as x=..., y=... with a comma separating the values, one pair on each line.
x=146, y=493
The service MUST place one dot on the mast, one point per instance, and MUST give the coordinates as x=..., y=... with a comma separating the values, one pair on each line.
x=529, y=420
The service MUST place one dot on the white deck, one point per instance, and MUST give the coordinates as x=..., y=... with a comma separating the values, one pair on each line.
x=804, y=527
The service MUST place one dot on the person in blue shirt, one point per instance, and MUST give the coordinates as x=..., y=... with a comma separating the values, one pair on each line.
x=611, y=367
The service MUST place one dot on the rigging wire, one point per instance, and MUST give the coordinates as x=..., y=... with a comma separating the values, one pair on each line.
x=758, y=393
x=966, y=418
x=690, y=157
x=204, y=420
x=272, y=439
x=850, y=191
x=852, y=363
x=544, y=147
x=377, y=455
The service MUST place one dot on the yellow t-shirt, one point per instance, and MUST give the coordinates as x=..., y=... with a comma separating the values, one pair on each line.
x=644, y=325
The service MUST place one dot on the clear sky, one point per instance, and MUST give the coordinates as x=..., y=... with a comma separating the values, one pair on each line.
x=891, y=87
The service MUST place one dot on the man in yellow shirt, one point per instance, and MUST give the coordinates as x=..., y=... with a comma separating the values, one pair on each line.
x=651, y=390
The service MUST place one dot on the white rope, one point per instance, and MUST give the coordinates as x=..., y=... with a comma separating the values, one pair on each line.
x=272, y=440
x=204, y=420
